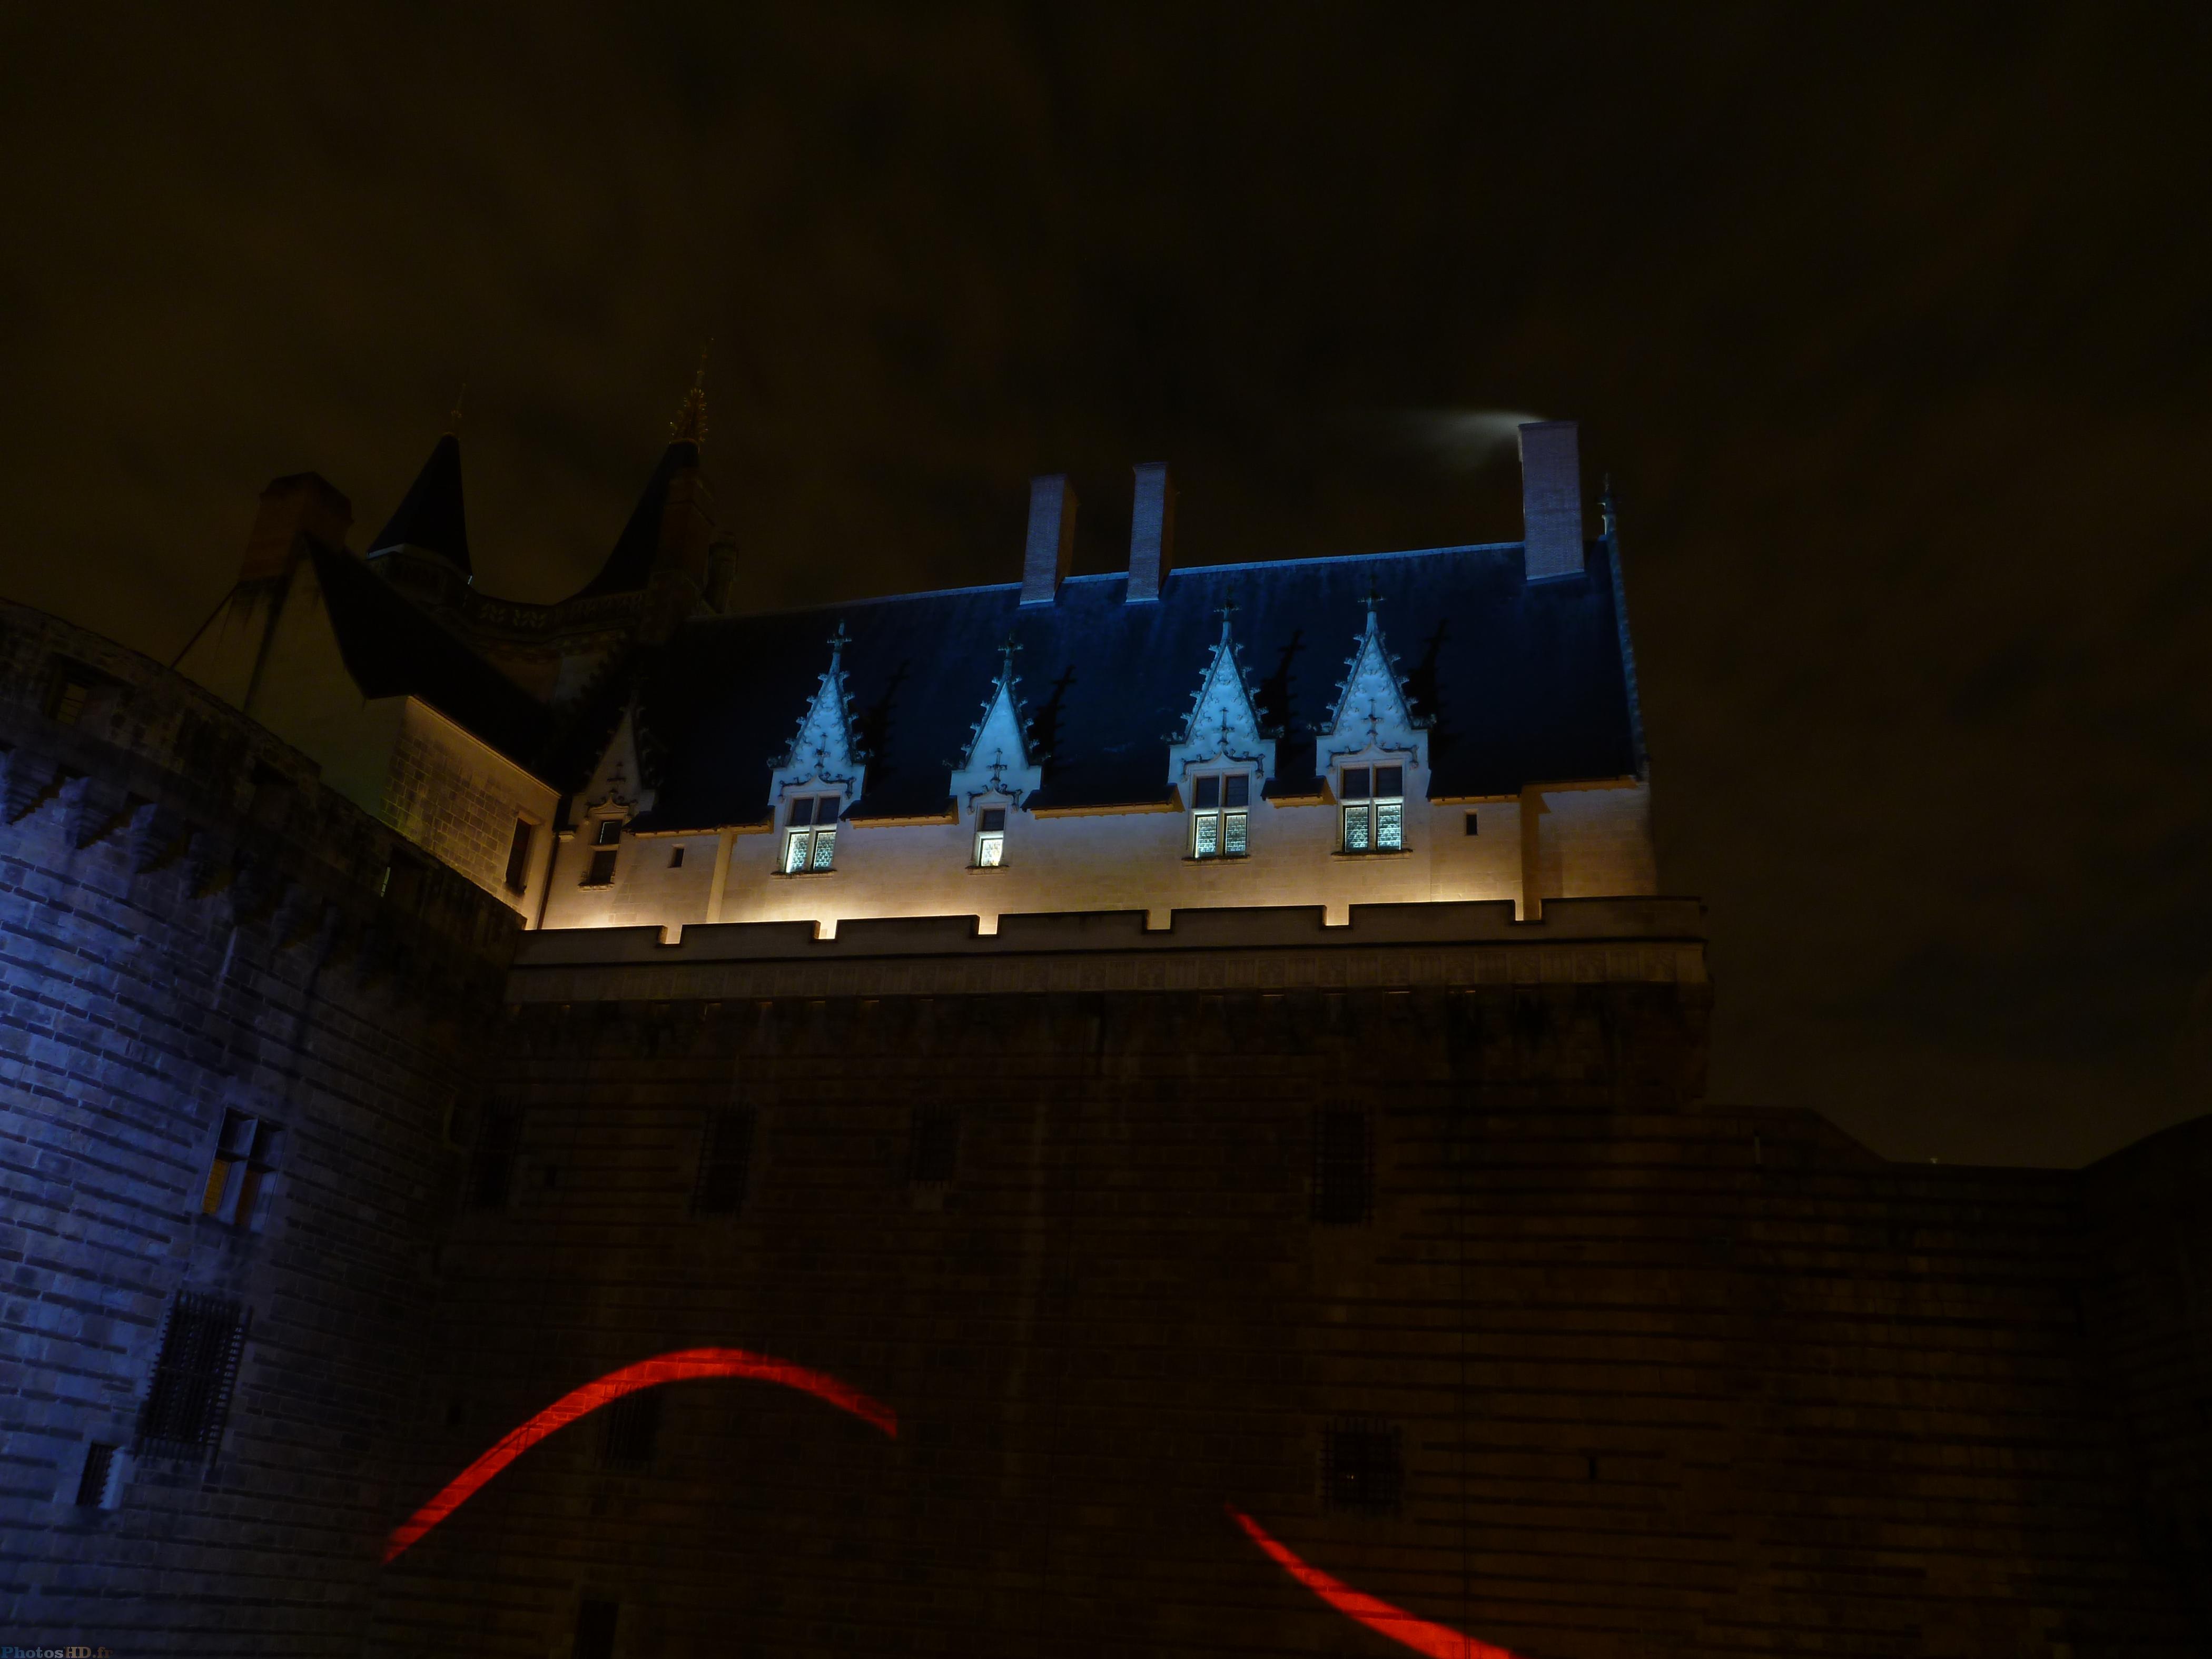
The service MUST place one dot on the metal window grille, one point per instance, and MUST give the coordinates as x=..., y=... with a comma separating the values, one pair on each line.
x=1363, y=1468
x=596, y=1617
x=1218, y=818
x=633, y=1429
x=724, y=1163
x=189, y=1398
x=991, y=837
x=1374, y=808
x=1344, y=1176
x=518, y=857
x=936, y=1145
x=491, y=1166
x=96, y=1487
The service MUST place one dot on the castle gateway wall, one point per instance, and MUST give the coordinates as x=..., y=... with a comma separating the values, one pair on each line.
x=1417, y=1255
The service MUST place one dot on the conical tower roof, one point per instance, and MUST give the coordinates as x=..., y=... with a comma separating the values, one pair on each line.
x=430, y=515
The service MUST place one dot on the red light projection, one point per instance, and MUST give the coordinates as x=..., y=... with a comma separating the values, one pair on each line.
x=683, y=1366
x=1438, y=1641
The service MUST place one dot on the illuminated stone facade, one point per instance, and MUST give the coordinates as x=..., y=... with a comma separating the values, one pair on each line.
x=1225, y=1230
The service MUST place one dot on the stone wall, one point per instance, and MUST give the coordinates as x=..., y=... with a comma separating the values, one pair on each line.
x=192, y=926
x=1663, y=1379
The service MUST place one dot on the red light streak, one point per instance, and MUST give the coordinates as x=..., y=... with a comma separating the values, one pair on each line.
x=1438, y=1641
x=683, y=1366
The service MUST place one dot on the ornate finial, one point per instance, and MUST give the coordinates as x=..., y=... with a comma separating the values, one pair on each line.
x=689, y=426
x=1225, y=610
x=1006, y=649
x=839, y=640
x=453, y=418
x=1373, y=598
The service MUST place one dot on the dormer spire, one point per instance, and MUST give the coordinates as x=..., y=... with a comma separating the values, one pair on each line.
x=689, y=426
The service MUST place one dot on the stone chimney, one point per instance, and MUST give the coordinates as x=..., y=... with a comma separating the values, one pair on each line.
x=1151, y=532
x=1551, y=500
x=300, y=507
x=1052, y=538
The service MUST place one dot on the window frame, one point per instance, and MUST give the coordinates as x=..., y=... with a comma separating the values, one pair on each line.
x=519, y=847
x=1221, y=816
x=808, y=831
x=241, y=1182
x=601, y=851
x=988, y=849
x=1363, y=809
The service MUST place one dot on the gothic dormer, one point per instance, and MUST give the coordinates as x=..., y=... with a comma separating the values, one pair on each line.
x=1222, y=728
x=1374, y=718
x=825, y=755
x=1001, y=758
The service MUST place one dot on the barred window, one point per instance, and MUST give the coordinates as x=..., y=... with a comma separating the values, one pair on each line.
x=241, y=1178
x=1344, y=1175
x=1362, y=1467
x=518, y=857
x=491, y=1164
x=96, y=1487
x=596, y=1617
x=633, y=1429
x=189, y=1397
x=1219, y=816
x=1374, y=798
x=724, y=1163
x=936, y=1145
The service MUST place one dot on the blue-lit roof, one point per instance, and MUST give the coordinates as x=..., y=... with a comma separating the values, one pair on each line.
x=1525, y=683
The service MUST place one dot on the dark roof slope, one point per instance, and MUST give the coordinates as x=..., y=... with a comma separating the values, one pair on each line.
x=630, y=566
x=1526, y=685
x=430, y=515
x=391, y=649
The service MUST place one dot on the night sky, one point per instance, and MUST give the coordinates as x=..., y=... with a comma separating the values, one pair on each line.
x=1892, y=329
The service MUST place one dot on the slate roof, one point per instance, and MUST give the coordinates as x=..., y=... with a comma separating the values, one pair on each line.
x=392, y=649
x=630, y=566
x=430, y=516
x=1525, y=683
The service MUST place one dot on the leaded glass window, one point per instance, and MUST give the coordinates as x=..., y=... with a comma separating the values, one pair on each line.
x=991, y=837
x=1374, y=798
x=810, y=837
x=1220, y=811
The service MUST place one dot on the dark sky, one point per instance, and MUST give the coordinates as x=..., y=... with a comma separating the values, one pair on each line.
x=1893, y=326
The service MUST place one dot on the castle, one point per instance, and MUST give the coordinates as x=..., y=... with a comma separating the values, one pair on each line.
x=1151, y=1112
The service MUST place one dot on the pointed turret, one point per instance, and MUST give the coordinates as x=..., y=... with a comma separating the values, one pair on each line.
x=429, y=517
x=664, y=545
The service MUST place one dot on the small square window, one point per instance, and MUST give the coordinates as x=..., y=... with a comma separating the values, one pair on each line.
x=607, y=832
x=241, y=1176
x=1363, y=1468
x=1389, y=782
x=725, y=1162
x=1355, y=783
x=518, y=857
x=596, y=1619
x=1236, y=790
x=993, y=819
x=936, y=1145
x=633, y=1429
x=1343, y=1184
x=802, y=812
x=1209, y=793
